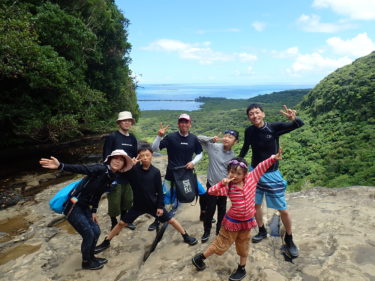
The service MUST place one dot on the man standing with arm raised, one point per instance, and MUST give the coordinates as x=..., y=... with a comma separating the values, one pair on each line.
x=180, y=145
x=263, y=137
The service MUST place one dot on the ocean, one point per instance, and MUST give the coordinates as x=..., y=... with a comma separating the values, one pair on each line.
x=182, y=96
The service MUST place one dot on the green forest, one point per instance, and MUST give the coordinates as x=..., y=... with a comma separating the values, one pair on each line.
x=64, y=69
x=335, y=148
x=64, y=73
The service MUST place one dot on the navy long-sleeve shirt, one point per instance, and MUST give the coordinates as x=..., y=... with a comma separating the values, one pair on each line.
x=98, y=180
x=147, y=188
x=116, y=140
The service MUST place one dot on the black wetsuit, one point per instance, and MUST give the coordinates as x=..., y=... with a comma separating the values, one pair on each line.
x=180, y=150
x=265, y=141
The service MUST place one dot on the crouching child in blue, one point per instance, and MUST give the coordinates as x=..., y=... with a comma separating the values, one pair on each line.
x=81, y=208
x=148, y=197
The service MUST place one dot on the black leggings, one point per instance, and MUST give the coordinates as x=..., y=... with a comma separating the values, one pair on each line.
x=208, y=206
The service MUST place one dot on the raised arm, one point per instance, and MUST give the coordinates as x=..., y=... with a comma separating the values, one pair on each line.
x=262, y=167
x=219, y=189
x=161, y=133
x=204, y=140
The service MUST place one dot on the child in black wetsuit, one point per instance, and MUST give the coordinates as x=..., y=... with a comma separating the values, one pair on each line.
x=145, y=180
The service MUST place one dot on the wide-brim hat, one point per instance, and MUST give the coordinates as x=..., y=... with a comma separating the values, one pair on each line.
x=123, y=115
x=121, y=152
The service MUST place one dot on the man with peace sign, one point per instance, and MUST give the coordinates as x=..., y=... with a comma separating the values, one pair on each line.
x=263, y=137
x=180, y=145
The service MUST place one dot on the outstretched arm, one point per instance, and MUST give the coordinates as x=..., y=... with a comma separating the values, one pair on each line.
x=289, y=113
x=161, y=132
x=262, y=167
x=52, y=163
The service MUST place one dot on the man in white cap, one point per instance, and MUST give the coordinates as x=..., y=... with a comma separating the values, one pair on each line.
x=121, y=198
x=181, y=146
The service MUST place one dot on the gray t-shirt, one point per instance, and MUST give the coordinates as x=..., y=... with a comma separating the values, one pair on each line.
x=218, y=159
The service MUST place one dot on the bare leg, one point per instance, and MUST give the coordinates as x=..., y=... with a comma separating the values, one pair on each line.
x=208, y=252
x=287, y=220
x=243, y=260
x=177, y=225
x=259, y=214
x=116, y=230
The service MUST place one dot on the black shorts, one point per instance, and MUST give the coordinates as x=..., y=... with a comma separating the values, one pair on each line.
x=131, y=215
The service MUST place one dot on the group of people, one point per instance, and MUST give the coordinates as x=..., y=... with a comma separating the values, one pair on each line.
x=135, y=186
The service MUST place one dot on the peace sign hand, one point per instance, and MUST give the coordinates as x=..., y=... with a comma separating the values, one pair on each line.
x=289, y=113
x=136, y=160
x=225, y=181
x=162, y=130
x=217, y=138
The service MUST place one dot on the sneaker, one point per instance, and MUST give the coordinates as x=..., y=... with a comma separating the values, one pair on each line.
x=131, y=226
x=259, y=237
x=100, y=260
x=91, y=264
x=290, y=248
x=101, y=247
x=213, y=220
x=189, y=239
x=153, y=226
x=198, y=261
x=239, y=274
x=205, y=237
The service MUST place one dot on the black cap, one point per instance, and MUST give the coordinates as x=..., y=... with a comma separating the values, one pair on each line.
x=232, y=132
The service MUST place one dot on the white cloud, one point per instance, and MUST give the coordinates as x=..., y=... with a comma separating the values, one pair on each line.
x=358, y=46
x=311, y=23
x=316, y=63
x=246, y=57
x=358, y=9
x=288, y=53
x=166, y=45
x=258, y=26
x=198, y=51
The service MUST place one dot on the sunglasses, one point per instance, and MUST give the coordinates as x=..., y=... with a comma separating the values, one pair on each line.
x=235, y=162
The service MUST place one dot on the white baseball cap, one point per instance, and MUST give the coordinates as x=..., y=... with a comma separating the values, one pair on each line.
x=184, y=116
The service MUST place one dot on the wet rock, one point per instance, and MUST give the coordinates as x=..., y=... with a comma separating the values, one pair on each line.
x=333, y=230
x=9, y=198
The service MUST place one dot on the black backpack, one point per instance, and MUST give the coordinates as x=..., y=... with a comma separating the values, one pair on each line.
x=185, y=183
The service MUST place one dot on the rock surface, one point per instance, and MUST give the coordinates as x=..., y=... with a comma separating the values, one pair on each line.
x=334, y=229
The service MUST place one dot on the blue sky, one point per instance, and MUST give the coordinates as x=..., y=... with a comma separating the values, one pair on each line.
x=246, y=42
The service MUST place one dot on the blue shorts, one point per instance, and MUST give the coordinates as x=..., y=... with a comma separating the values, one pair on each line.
x=132, y=214
x=273, y=186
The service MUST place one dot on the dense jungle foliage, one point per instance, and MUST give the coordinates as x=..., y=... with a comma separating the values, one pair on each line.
x=63, y=69
x=335, y=148
x=64, y=72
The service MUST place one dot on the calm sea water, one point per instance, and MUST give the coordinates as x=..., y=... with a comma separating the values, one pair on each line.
x=182, y=96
